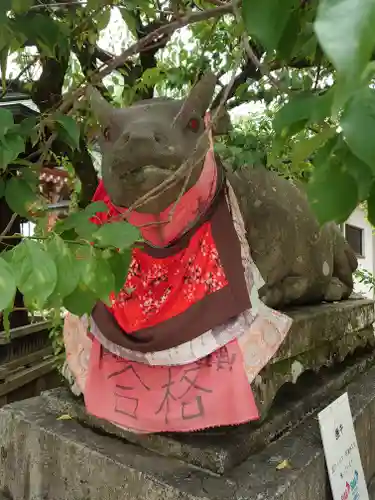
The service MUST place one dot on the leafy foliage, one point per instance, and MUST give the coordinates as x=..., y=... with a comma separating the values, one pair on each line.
x=308, y=64
x=250, y=143
x=53, y=271
x=366, y=278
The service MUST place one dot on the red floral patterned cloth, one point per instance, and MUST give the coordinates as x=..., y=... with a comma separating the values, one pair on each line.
x=158, y=289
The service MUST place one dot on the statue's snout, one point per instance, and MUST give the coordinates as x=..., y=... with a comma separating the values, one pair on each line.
x=140, y=141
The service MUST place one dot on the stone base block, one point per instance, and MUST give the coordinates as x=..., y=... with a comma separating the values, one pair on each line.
x=221, y=449
x=50, y=450
x=321, y=335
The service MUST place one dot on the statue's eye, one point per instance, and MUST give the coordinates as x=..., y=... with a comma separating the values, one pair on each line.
x=194, y=124
x=107, y=133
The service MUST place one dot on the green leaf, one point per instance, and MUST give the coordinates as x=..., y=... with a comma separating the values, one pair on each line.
x=371, y=205
x=6, y=321
x=300, y=110
x=322, y=155
x=2, y=187
x=95, y=272
x=65, y=417
x=98, y=277
x=95, y=207
x=289, y=37
x=361, y=172
x=6, y=121
x=119, y=262
x=50, y=34
x=80, y=221
x=6, y=34
x=11, y=146
x=4, y=53
x=293, y=116
x=30, y=175
x=102, y=19
x=7, y=285
x=152, y=76
x=322, y=106
x=95, y=4
x=117, y=234
x=130, y=20
x=35, y=271
x=8, y=255
x=345, y=29
x=81, y=224
x=333, y=193
x=71, y=129
x=68, y=235
x=19, y=196
x=5, y=6
x=67, y=224
x=21, y=6
x=306, y=147
x=85, y=229
x=81, y=301
x=27, y=126
x=68, y=274
x=358, y=125
x=266, y=20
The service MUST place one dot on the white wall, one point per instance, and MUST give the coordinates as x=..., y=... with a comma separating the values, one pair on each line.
x=358, y=219
x=27, y=228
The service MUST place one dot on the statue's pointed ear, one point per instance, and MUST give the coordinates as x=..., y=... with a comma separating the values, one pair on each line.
x=99, y=106
x=201, y=94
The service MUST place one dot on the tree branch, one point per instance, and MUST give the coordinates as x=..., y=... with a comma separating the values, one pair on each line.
x=147, y=56
x=248, y=71
x=46, y=92
x=8, y=227
x=251, y=72
x=218, y=3
x=167, y=29
x=86, y=56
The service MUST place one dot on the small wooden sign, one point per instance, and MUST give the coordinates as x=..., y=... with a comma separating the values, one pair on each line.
x=341, y=451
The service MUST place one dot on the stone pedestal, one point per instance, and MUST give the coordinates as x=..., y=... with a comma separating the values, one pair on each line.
x=51, y=449
x=320, y=336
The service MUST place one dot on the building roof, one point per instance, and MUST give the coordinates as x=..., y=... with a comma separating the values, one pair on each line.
x=11, y=96
x=18, y=103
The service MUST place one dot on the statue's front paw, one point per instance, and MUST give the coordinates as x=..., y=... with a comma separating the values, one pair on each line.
x=336, y=291
x=270, y=296
x=292, y=290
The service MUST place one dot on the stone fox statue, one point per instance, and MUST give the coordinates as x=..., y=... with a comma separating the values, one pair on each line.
x=300, y=262
x=196, y=320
